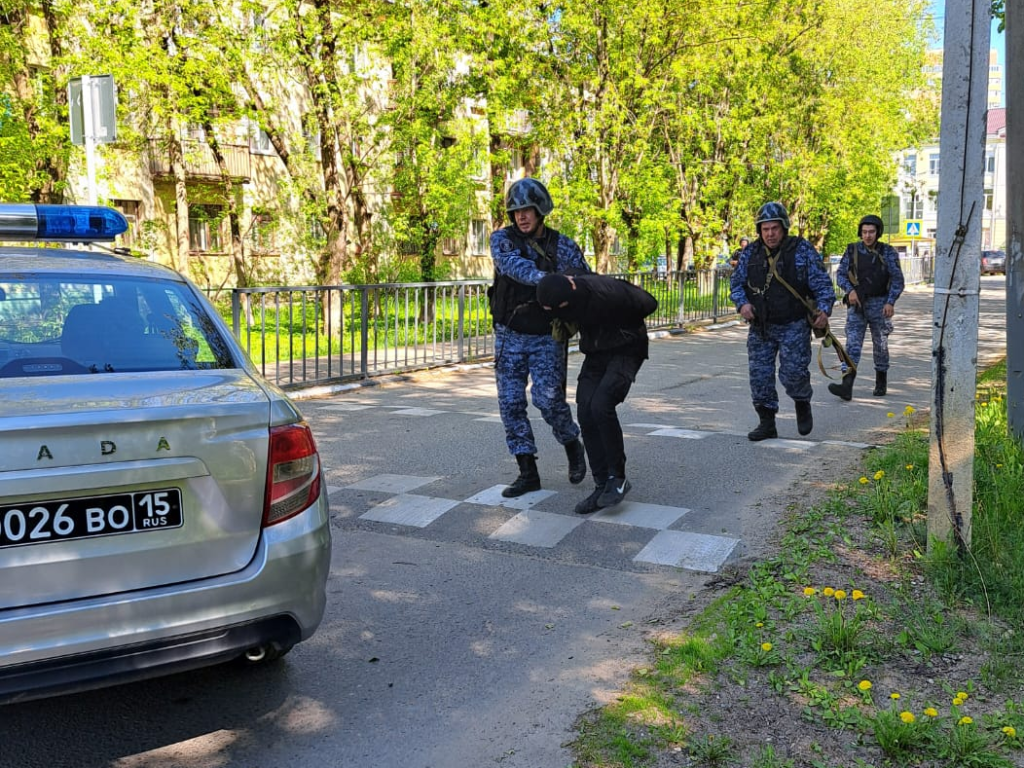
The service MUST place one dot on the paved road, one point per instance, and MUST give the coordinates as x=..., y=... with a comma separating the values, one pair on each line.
x=464, y=630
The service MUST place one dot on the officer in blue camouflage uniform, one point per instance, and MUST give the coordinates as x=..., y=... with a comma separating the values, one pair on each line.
x=780, y=326
x=870, y=276
x=523, y=254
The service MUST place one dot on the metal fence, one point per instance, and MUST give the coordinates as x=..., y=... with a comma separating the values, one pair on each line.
x=318, y=335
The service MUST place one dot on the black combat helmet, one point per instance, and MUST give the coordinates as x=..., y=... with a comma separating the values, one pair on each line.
x=773, y=211
x=528, y=193
x=874, y=221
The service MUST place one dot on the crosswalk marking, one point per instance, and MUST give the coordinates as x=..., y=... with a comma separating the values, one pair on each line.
x=536, y=529
x=656, y=516
x=685, y=549
x=392, y=483
x=410, y=509
x=492, y=497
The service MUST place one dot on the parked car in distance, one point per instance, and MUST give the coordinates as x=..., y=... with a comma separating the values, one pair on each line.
x=161, y=506
x=993, y=263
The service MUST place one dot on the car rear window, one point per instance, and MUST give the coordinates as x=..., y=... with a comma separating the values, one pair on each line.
x=61, y=325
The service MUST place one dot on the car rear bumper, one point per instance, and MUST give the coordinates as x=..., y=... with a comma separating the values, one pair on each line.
x=278, y=599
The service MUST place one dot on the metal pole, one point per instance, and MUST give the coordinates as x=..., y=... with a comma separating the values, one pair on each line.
x=89, y=139
x=1015, y=221
x=957, y=268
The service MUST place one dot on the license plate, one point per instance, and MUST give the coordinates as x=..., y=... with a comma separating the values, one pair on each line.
x=80, y=518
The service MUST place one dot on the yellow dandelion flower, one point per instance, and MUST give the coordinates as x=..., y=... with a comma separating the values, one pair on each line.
x=999, y=466
x=857, y=595
x=908, y=410
x=809, y=591
x=957, y=701
x=907, y=717
x=828, y=591
x=766, y=647
x=983, y=405
x=863, y=481
x=890, y=414
x=839, y=594
x=894, y=695
x=864, y=685
x=910, y=467
x=879, y=475
x=759, y=624
x=1010, y=731
x=931, y=711
x=961, y=695
x=965, y=720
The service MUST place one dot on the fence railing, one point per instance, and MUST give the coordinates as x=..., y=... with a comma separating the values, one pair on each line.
x=316, y=335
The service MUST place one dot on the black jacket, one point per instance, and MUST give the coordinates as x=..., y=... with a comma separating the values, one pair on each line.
x=610, y=314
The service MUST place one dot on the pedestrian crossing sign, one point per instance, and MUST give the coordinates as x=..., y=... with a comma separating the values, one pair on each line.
x=913, y=228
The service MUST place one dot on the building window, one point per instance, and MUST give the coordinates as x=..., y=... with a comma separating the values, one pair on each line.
x=990, y=161
x=130, y=210
x=988, y=199
x=204, y=227
x=910, y=164
x=259, y=143
x=479, y=237
x=915, y=207
x=933, y=163
x=451, y=246
x=315, y=232
x=311, y=135
x=263, y=233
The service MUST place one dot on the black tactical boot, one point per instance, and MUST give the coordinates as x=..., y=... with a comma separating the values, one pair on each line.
x=844, y=390
x=528, y=480
x=880, y=383
x=804, y=422
x=766, y=427
x=577, y=461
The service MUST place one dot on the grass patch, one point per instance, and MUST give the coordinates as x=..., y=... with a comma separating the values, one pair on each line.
x=855, y=645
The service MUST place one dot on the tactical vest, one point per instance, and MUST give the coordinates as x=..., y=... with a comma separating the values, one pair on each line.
x=773, y=303
x=514, y=304
x=868, y=273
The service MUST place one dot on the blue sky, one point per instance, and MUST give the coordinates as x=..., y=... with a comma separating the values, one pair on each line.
x=997, y=42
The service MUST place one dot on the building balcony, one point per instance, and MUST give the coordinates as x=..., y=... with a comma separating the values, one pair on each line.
x=200, y=162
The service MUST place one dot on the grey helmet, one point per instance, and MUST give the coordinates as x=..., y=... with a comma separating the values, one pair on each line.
x=773, y=211
x=874, y=221
x=528, y=193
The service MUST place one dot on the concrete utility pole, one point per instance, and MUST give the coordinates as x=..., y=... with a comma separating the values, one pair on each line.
x=957, y=271
x=1015, y=220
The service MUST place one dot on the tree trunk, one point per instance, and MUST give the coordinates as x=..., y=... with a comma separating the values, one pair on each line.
x=179, y=256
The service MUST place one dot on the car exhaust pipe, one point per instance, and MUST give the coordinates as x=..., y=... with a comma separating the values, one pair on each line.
x=257, y=654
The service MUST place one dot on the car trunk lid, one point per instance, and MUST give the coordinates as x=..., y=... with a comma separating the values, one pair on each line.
x=116, y=482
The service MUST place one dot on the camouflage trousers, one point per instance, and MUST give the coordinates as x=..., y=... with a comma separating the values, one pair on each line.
x=791, y=344
x=540, y=360
x=857, y=323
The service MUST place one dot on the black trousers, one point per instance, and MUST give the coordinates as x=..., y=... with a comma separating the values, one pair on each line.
x=603, y=383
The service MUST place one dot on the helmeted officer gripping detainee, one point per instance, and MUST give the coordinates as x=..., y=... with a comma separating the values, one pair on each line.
x=523, y=254
x=776, y=277
x=871, y=279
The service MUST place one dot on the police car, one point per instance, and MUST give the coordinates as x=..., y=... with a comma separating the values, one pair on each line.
x=161, y=506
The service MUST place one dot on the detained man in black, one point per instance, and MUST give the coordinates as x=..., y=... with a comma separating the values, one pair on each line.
x=609, y=314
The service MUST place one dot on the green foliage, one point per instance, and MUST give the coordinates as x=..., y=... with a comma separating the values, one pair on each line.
x=393, y=125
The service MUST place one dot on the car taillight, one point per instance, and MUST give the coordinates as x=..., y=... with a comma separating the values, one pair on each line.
x=293, y=473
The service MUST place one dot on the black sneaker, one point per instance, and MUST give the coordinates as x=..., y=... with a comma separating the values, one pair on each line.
x=615, y=490
x=590, y=503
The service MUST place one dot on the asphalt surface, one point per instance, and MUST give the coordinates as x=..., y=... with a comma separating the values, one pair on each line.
x=462, y=632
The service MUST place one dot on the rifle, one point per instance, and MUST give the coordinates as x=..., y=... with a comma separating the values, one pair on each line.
x=828, y=338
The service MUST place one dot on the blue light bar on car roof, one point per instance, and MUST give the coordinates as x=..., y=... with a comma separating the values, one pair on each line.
x=70, y=223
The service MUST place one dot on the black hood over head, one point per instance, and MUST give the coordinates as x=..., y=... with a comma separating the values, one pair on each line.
x=555, y=290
